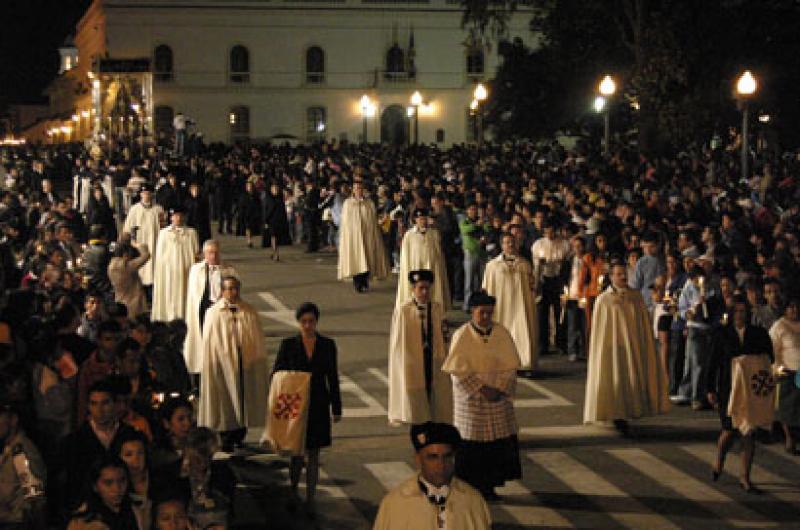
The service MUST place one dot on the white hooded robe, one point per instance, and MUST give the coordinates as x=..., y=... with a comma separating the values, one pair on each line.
x=423, y=251
x=148, y=220
x=175, y=254
x=361, y=245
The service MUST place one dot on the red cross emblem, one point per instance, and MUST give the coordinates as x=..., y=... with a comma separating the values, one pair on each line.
x=287, y=406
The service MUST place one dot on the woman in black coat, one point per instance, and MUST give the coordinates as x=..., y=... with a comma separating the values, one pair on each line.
x=311, y=352
x=276, y=225
x=100, y=212
x=249, y=210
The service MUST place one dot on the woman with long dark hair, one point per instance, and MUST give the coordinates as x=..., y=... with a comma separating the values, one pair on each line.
x=107, y=501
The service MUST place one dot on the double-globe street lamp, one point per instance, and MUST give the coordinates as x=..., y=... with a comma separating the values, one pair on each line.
x=746, y=86
x=368, y=109
x=479, y=95
x=607, y=88
x=416, y=102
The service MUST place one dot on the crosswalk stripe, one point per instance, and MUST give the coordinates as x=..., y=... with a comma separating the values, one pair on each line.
x=586, y=482
x=778, y=450
x=685, y=486
x=390, y=474
x=551, y=398
x=537, y=516
x=775, y=485
x=378, y=374
x=563, y=432
x=373, y=407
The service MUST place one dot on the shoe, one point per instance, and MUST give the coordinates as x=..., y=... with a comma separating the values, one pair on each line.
x=699, y=405
x=622, y=426
x=748, y=487
x=679, y=400
x=715, y=475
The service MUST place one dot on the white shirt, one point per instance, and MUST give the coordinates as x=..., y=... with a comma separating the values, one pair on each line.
x=179, y=122
x=214, y=283
x=553, y=251
x=575, y=278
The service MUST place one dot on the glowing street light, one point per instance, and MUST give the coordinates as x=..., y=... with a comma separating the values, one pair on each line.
x=473, y=105
x=479, y=96
x=368, y=109
x=607, y=86
x=746, y=86
x=480, y=93
x=416, y=101
x=599, y=104
x=607, y=89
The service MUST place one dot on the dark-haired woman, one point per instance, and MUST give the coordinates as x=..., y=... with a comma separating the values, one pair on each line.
x=107, y=502
x=785, y=335
x=311, y=352
x=132, y=449
x=276, y=224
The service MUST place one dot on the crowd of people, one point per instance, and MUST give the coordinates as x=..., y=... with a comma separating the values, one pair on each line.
x=129, y=357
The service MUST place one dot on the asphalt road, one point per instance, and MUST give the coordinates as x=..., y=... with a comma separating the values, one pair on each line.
x=573, y=476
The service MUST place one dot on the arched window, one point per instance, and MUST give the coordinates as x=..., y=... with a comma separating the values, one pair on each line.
x=316, y=124
x=475, y=62
x=395, y=62
x=162, y=63
x=240, y=64
x=315, y=65
x=163, y=119
x=239, y=119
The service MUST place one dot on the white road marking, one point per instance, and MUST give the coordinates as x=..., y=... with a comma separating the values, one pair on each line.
x=773, y=484
x=331, y=490
x=685, y=486
x=390, y=474
x=378, y=374
x=527, y=515
x=373, y=407
x=586, y=482
x=563, y=432
x=280, y=313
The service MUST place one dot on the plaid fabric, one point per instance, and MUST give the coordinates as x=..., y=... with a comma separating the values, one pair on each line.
x=479, y=419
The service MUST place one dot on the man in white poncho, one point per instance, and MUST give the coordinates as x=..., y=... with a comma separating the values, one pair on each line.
x=361, y=252
x=143, y=225
x=205, y=289
x=625, y=379
x=483, y=363
x=419, y=391
x=233, y=389
x=421, y=249
x=176, y=252
x=509, y=278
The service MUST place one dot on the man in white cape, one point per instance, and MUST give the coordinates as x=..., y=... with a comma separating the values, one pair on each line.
x=419, y=391
x=205, y=289
x=625, y=379
x=483, y=363
x=176, y=252
x=422, y=249
x=143, y=225
x=233, y=389
x=361, y=252
x=509, y=278
x=433, y=498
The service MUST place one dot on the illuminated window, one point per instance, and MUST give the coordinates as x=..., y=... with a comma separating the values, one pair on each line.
x=239, y=119
x=316, y=124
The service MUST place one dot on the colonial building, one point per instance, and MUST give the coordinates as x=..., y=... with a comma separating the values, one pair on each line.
x=267, y=69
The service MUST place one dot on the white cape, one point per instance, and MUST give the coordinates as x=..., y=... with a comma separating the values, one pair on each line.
x=222, y=386
x=148, y=220
x=752, y=402
x=512, y=284
x=193, y=345
x=408, y=400
x=175, y=255
x=360, y=241
x=423, y=251
x=625, y=378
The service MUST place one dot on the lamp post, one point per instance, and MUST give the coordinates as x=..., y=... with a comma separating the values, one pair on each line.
x=607, y=88
x=745, y=87
x=416, y=101
x=479, y=94
x=367, y=111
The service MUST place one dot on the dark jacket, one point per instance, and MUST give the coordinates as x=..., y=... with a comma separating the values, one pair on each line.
x=275, y=221
x=325, y=398
x=96, y=258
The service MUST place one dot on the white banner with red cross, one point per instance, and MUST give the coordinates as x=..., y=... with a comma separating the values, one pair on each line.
x=287, y=412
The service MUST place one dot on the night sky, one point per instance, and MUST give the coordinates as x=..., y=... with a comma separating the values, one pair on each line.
x=31, y=32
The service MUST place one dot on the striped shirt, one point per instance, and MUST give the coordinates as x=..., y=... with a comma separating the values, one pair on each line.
x=477, y=418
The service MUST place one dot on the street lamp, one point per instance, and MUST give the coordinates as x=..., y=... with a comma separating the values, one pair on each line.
x=367, y=111
x=479, y=94
x=416, y=101
x=746, y=86
x=607, y=88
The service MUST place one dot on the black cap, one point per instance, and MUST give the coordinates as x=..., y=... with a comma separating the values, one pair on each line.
x=434, y=433
x=146, y=187
x=422, y=275
x=421, y=212
x=481, y=297
x=177, y=209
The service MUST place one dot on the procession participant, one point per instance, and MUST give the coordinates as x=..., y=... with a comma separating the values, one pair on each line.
x=142, y=225
x=418, y=389
x=785, y=335
x=309, y=351
x=732, y=343
x=233, y=389
x=361, y=252
x=123, y=273
x=421, y=249
x=175, y=253
x=483, y=363
x=549, y=255
x=509, y=278
x=574, y=309
x=204, y=290
x=198, y=215
x=433, y=498
x=625, y=379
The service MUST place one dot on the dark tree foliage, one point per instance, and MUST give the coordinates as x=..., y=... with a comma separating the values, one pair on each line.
x=676, y=61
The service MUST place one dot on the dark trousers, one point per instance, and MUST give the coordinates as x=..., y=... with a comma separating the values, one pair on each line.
x=677, y=356
x=311, y=228
x=232, y=438
x=226, y=218
x=576, y=329
x=361, y=281
x=551, y=301
x=455, y=274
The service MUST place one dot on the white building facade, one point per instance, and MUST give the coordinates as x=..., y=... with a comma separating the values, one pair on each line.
x=306, y=69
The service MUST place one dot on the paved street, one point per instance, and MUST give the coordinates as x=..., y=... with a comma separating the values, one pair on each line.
x=573, y=476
